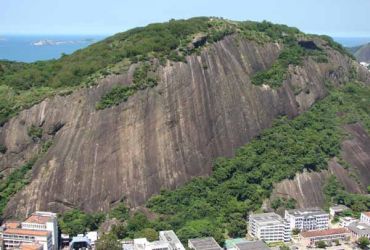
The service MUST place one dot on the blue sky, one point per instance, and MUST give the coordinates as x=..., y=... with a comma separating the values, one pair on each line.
x=332, y=17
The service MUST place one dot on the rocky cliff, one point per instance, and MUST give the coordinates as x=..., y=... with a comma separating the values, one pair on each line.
x=161, y=137
x=307, y=188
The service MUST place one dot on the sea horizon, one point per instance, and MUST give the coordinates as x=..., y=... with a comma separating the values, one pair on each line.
x=30, y=48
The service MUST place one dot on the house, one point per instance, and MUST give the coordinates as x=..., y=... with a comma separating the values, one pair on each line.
x=307, y=219
x=310, y=238
x=207, y=243
x=269, y=227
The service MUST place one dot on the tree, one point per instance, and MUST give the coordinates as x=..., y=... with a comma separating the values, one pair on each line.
x=321, y=244
x=296, y=231
x=108, y=241
x=284, y=247
x=363, y=242
x=148, y=233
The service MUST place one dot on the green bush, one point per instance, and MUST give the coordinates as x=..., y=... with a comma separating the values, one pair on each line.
x=3, y=148
x=13, y=183
x=35, y=132
x=144, y=77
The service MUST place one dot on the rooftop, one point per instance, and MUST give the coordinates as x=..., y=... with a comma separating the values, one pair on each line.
x=171, y=238
x=230, y=243
x=30, y=246
x=339, y=208
x=316, y=233
x=359, y=228
x=253, y=245
x=367, y=213
x=207, y=243
x=266, y=218
x=307, y=212
x=27, y=232
x=38, y=219
x=11, y=224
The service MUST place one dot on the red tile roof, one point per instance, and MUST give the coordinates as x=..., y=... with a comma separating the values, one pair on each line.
x=367, y=213
x=30, y=246
x=28, y=232
x=12, y=224
x=38, y=219
x=310, y=234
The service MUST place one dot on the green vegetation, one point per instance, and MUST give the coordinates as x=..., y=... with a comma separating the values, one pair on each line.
x=296, y=231
x=74, y=222
x=15, y=182
x=283, y=203
x=337, y=46
x=3, y=148
x=144, y=77
x=218, y=205
x=320, y=244
x=23, y=85
x=336, y=194
x=292, y=54
x=363, y=242
x=240, y=184
x=108, y=241
x=35, y=132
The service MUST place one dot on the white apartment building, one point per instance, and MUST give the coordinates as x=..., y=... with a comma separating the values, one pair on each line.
x=43, y=221
x=14, y=237
x=144, y=244
x=269, y=227
x=345, y=221
x=171, y=238
x=365, y=217
x=307, y=219
x=167, y=241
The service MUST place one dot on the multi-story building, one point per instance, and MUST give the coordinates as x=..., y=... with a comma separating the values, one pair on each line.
x=345, y=221
x=171, y=238
x=307, y=219
x=14, y=237
x=269, y=227
x=338, y=209
x=30, y=246
x=167, y=241
x=43, y=221
x=359, y=229
x=207, y=243
x=365, y=217
x=309, y=238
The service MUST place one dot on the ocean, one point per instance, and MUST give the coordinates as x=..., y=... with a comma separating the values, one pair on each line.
x=33, y=48
x=45, y=47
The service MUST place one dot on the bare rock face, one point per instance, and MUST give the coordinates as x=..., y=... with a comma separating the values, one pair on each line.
x=161, y=137
x=307, y=188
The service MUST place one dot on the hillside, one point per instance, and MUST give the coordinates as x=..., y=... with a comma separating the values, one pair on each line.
x=152, y=108
x=362, y=53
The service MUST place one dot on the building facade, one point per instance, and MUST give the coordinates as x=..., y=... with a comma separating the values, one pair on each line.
x=43, y=221
x=365, y=217
x=269, y=227
x=307, y=219
x=14, y=237
x=171, y=238
x=310, y=238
